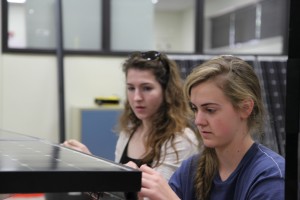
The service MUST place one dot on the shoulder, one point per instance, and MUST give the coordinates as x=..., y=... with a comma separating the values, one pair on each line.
x=174, y=152
x=184, y=144
x=182, y=181
x=187, y=136
x=123, y=137
x=267, y=172
x=268, y=160
x=188, y=167
x=261, y=163
x=120, y=145
x=190, y=164
x=193, y=160
x=262, y=175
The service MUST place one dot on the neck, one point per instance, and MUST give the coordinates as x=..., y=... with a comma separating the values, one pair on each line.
x=230, y=156
x=145, y=126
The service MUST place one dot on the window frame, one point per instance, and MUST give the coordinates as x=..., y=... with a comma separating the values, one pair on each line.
x=237, y=38
x=106, y=25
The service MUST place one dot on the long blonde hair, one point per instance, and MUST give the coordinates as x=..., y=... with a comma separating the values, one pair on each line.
x=172, y=117
x=238, y=81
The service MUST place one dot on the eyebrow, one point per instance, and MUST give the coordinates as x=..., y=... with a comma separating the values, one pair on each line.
x=203, y=105
x=142, y=84
x=208, y=104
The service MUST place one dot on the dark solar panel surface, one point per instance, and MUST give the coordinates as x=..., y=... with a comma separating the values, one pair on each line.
x=29, y=164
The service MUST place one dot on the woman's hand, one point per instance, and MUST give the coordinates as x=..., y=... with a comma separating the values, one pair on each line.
x=132, y=165
x=154, y=186
x=74, y=144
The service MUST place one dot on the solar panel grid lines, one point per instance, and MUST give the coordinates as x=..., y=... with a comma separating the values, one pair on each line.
x=54, y=168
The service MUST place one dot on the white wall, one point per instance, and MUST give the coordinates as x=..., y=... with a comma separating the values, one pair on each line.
x=29, y=90
x=90, y=77
x=29, y=95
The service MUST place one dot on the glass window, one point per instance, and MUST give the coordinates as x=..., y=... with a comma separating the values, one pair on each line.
x=233, y=26
x=82, y=22
x=245, y=24
x=220, y=31
x=256, y=27
x=143, y=25
x=32, y=24
x=132, y=25
x=174, y=26
x=271, y=19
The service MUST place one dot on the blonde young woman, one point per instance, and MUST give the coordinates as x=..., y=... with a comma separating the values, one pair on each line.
x=225, y=96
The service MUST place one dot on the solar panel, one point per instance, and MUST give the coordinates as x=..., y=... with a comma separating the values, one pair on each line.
x=32, y=165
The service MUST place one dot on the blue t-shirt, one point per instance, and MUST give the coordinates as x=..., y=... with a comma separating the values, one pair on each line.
x=259, y=175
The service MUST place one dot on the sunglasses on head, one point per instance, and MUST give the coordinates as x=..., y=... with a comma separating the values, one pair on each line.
x=151, y=55
x=147, y=55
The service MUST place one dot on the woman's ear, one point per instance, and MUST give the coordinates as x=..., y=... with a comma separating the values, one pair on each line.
x=247, y=108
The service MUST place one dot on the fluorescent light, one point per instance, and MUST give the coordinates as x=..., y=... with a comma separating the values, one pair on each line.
x=16, y=1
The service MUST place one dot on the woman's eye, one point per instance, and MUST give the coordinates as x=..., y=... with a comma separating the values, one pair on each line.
x=194, y=109
x=210, y=110
x=130, y=88
x=147, y=88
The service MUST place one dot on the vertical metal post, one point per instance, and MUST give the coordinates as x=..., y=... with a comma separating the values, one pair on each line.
x=285, y=25
x=106, y=25
x=199, y=26
x=293, y=103
x=60, y=70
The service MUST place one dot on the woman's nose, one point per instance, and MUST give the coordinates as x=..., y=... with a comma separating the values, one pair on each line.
x=137, y=95
x=200, y=119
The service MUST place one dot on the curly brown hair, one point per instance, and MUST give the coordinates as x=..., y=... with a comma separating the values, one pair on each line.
x=174, y=113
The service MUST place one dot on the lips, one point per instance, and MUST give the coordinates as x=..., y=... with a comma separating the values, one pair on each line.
x=139, y=108
x=205, y=132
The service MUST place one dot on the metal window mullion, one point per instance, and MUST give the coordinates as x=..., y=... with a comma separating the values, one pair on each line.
x=60, y=69
x=199, y=24
x=232, y=30
x=106, y=25
x=258, y=21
